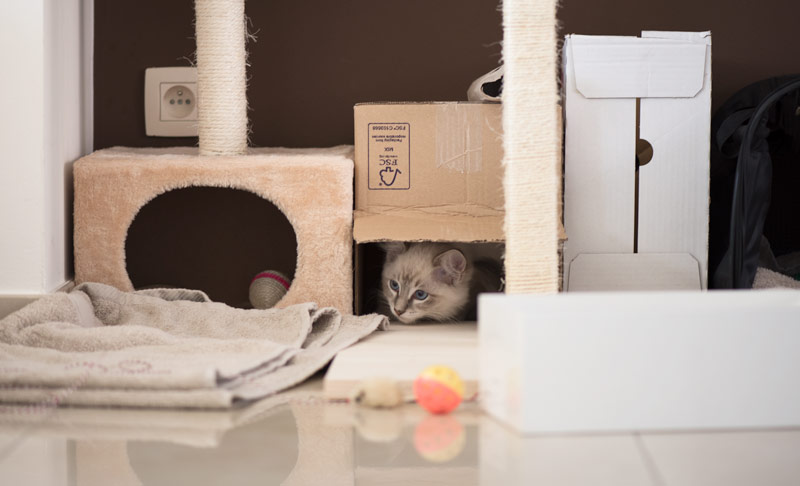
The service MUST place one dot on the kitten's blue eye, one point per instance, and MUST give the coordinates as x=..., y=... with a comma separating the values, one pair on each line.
x=420, y=295
x=394, y=285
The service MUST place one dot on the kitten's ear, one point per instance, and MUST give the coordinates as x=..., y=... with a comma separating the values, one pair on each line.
x=393, y=249
x=449, y=267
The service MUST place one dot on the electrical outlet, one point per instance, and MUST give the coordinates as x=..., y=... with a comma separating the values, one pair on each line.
x=170, y=102
x=178, y=102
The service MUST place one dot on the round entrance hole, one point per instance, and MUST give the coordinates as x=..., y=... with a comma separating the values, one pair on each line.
x=211, y=239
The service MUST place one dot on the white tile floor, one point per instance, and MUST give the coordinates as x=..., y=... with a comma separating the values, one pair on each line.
x=300, y=439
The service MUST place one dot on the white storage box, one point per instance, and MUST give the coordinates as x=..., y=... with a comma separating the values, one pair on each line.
x=621, y=361
x=619, y=91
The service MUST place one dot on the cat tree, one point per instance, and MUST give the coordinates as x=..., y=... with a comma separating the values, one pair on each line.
x=312, y=187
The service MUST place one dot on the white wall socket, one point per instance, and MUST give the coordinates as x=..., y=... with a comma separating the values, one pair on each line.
x=170, y=101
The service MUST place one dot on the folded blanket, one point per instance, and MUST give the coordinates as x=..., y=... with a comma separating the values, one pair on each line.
x=163, y=348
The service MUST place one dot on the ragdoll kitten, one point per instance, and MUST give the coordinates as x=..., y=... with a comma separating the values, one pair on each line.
x=434, y=282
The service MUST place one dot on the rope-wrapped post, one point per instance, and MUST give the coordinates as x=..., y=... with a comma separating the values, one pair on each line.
x=532, y=145
x=221, y=76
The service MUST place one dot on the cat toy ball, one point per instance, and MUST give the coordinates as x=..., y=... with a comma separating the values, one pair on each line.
x=438, y=389
x=268, y=288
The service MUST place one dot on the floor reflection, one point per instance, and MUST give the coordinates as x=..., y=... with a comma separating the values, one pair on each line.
x=267, y=448
x=395, y=447
x=298, y=439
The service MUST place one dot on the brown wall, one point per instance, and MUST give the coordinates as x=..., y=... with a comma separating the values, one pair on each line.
x=311, y=62
x=314, y=59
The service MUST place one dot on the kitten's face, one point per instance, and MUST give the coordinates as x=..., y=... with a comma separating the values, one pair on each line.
x=424, y=282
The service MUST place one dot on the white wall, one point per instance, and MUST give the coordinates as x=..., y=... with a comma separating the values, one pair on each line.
x=21, y=147
x=45, y=124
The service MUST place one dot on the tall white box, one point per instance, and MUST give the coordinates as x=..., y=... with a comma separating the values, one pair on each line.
x=617, y=92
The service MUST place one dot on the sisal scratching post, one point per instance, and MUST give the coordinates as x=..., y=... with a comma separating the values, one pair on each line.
x=221, y=77
x=532, y=144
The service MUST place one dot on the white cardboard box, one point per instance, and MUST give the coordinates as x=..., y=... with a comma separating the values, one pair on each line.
x=622, y=361
x=619, y=89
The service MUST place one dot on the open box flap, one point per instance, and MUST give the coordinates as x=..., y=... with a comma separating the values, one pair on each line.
x=631, y=67
x=416, y=225
x=698, y=37
x=634, y=272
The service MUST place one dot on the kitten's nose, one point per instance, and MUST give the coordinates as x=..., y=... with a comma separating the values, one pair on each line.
x=398, y=311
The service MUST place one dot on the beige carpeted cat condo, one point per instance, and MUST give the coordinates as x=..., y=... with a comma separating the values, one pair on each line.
x=312, y=187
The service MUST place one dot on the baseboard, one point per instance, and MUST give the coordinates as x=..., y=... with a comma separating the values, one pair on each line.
x=66, y=286
x=12, y=303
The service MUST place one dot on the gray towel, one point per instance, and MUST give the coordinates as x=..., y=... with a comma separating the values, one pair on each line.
x=163, y=348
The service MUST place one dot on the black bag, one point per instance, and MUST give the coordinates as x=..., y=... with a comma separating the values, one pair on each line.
x=756, y=128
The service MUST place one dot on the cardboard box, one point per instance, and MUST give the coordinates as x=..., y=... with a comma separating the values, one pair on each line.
x=428, y=172
x=424, y=172
x=628, y=361
x=619, y=91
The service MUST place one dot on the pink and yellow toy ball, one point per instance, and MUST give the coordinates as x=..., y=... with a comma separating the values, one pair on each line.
x=268, y=288
x=438, y=389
